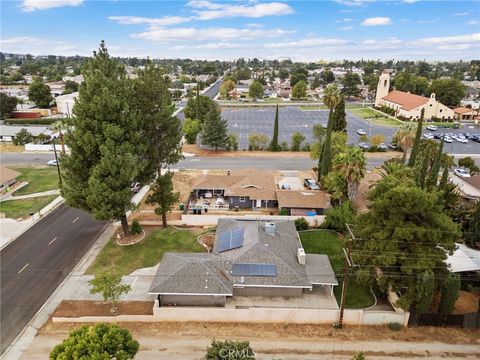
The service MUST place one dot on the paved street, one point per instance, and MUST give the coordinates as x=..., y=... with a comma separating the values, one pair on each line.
x=211, y=93
x=34, y=265
x=297, y=163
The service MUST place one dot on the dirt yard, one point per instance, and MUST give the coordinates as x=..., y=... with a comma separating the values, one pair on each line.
x=280, y=341
x=76, y=308
x=467, y=302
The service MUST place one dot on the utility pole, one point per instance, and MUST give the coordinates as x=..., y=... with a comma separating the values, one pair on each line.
x=346, y=278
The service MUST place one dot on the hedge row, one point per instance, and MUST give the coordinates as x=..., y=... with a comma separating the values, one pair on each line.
x=47, y=121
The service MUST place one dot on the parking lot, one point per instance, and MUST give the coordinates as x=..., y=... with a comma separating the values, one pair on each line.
x=244, y=121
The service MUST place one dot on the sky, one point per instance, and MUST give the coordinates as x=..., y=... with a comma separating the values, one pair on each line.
x=225, y=30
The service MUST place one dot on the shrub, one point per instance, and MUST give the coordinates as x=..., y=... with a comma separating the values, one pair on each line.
x=257, y=141
x=284, y=146
x=232, y=142
x=229, y=350
x=337, y=217
x=306, y=147
x=33, y=121
x=358, y=356
x=284, y=212
x=395, y=326
x=191, y=128
x=136, y=227
x=22, y=137
x=301, y=224
x=297, y=139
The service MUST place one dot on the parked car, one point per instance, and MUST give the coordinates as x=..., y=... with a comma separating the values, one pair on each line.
x=428, y=136
x=462, y=139
x=448, y=139
x=382, y=146
x=135, y=187
x=311, y=184
x=437, y=136
x=324, y=126
x=361, y=132
x=393, y=146
x=363, y=146
x=461, y=173
x=432, y=128
x=52, y=163
x=475, y=137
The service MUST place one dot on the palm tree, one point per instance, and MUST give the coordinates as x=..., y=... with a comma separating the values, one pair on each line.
x=60, y=126
x=391, y=166
x=352, y=165
x=405, y=136
x=331, y=96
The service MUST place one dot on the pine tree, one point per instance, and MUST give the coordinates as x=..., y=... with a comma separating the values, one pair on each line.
x=215, y=129
x=274, y=143
x=163, y=196
x=433, y=178
x=422, y=174
x=449, y=296
x=339, y=116
x=107, y=151
x=416, y=143
x=197, y=100
x=325, y=162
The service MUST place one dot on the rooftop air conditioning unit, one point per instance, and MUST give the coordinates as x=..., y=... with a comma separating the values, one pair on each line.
x=301, y=256
x=270, y=228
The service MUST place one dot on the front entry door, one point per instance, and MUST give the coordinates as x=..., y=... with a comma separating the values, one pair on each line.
x=259, y=203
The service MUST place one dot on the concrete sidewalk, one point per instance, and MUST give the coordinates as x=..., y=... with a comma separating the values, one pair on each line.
x=33, y=195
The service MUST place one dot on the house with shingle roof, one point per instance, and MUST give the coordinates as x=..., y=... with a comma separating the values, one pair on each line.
x=407, y=105
x=249, y=259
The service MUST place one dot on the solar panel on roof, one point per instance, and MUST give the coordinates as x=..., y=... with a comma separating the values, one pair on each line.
x=254, y=270
x=231, y=239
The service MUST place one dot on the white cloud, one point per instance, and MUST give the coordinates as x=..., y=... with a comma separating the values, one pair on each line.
x=214, y=33
x=215, y=46
x=163, y=21
x=461, y=13
x=388, y=43
x=37, y=46
x=472, y=22
x=311, y=42
x=345, y=28
x=446, y=40
x=32, y=5
x=206, y=10
x=426, y=21
x=21, y=40
x=410, y=1
x=377, y=21
x=455, y=47
x=343, y=20
x=354, y=2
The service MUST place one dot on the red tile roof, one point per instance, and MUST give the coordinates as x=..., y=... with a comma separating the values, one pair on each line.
x=406, y=100
x=461, y=110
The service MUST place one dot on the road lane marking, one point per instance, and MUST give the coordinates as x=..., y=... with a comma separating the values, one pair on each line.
x=50, y=243
x=23, y=268
x=73, y=222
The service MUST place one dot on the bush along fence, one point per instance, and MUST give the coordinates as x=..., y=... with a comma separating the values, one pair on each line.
x=468, y=321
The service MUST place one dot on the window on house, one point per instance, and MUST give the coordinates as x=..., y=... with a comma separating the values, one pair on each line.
x=242, y=199
x=430, y=105
x=441, y=110
x=385, y=83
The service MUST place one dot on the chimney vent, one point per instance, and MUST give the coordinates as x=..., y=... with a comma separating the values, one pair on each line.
x=301, y=256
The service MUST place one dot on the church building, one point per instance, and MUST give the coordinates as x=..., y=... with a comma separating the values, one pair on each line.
x=409, y=105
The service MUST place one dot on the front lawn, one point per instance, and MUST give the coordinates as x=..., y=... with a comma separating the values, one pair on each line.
x=374, y=116
x=147, y=253
x=39, y=179
x=329, y=243
x=22, y=208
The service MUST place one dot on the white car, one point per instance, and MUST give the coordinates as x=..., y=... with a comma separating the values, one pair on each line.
x=428, y=136
x=361, y=132
x=461, y=173
x=52, y=163
x=448, y=139
x=462, y=139
x=432, y=128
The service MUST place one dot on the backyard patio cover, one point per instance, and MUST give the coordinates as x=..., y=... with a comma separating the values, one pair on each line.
x=463, y=259
x=319, y=271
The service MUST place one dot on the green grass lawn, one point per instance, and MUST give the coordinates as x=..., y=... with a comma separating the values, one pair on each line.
x=376, y=117
x=148, y=252
x=22, y=208
x=39, y=179
x=329, y=243
x=306, y=108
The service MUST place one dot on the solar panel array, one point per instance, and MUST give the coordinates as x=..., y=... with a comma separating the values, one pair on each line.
x=254, y=270
x=231, y=239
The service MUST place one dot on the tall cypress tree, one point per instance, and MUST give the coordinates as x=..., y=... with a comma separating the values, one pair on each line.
x=325, y=161
x=416, y=143
x=339, y=116
x=433, y=178
x=274, y=143
x=198, y=103
x=215, y=129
